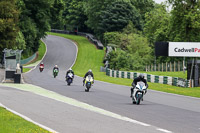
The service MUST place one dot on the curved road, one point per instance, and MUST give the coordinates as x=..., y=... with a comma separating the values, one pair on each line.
x=161, y=111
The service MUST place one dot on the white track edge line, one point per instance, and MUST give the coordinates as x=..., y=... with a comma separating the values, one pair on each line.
x=28, y=119
x=163, y=130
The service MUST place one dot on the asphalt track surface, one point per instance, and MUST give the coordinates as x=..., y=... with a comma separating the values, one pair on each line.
x=163, y=112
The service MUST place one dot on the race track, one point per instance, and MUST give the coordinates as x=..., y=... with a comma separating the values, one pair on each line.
x=161, y=111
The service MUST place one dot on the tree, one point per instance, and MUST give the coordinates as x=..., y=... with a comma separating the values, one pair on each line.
x=8, y=24
x=133, y=51
x=116, y=16
x=143, y=6
x=56, y=14
x=92, y=9
x=156, y=27
x=34, y=22
x=185, y=22
x=74, y=15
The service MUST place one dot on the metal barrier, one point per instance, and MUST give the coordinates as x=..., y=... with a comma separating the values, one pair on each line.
x=29, y=59
x=92, y=39
x=175, y=81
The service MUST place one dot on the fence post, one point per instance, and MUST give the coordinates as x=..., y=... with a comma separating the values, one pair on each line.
x=178, y=66
x=162, y=67
x=174, y=66
x=170, y=66
x=166, y=66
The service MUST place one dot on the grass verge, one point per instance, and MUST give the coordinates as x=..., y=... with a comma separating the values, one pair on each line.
x=11, y=123
x=91, y=58
x=26, y=70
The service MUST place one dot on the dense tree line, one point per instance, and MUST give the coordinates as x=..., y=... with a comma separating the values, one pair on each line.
x=131, y=27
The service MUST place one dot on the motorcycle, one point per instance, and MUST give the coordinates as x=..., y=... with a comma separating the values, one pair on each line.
x=69, y=78
x=88, y=82
x=139, y=92
x=41, y=68
x=55, y=73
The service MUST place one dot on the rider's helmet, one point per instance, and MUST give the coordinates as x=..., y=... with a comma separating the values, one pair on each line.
x=141, y=76
x=41, y=62
x=89, y=70
x=56, y=65
x=70, y=69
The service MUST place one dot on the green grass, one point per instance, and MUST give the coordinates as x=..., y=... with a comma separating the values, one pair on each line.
x=11, y=123
x=26, y=69
x=91, y=58
x=41, y=51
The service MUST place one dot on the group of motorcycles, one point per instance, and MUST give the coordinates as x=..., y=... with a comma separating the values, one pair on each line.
x=69, y=78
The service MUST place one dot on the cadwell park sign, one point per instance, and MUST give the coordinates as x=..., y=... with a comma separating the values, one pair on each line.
x=184, y=49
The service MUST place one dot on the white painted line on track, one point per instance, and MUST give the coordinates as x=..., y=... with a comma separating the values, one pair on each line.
x=163, y=130
x=76, y=52
x=28, y=119
x=55, y=96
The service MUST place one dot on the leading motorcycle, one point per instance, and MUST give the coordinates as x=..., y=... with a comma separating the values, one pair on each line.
x=139, y=91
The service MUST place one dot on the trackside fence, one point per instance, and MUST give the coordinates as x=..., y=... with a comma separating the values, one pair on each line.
x=90, y=37
x=166, y=67
x=175, y=81
x=29, y=59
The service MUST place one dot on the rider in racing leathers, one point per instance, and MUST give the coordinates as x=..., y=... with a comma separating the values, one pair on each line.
x=88, y=73
x=138, y=79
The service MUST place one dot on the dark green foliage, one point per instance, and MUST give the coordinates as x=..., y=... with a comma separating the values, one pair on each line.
x=74, y=15
x=56, y=15
x=8, y=24
x=34, y=22
x=116, y=16
x=143, y=6
x=185, y=20
x=156, y=27
x=93, y=9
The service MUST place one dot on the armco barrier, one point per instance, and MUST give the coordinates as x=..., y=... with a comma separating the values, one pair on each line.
x=29, y=59
x=175, y=81
x=90, y=37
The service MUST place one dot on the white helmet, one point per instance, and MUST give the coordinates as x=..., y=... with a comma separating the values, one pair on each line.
x=70, y=69
x=56, y=65
x=89, y=70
